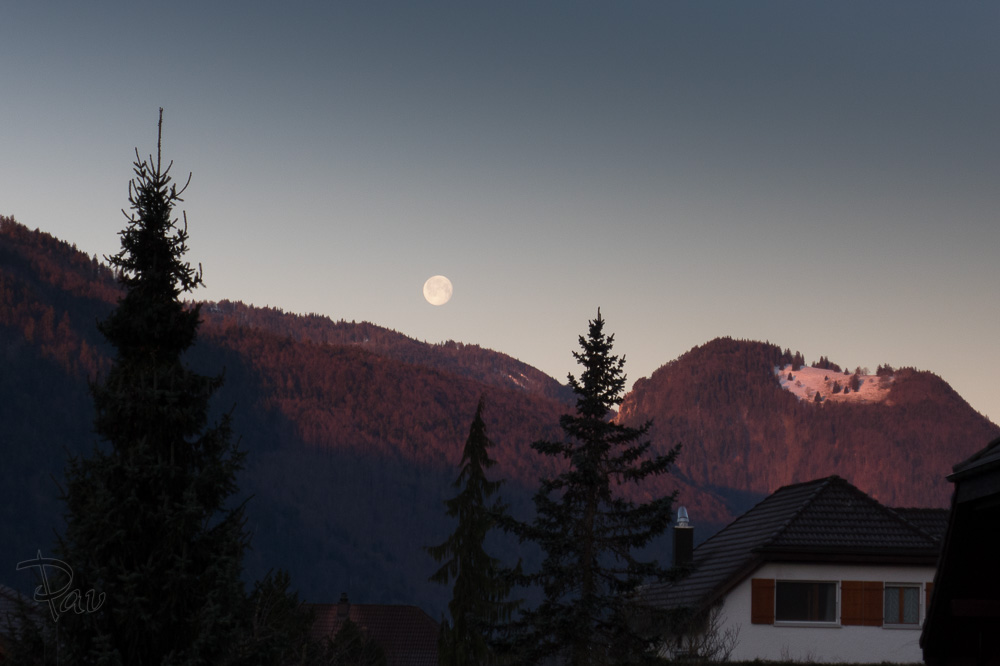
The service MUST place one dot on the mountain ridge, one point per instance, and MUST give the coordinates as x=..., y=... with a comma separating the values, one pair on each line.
x=354, y=431
x=764, y=437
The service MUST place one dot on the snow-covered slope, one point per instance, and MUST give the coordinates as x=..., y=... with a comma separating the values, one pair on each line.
x=806, y=382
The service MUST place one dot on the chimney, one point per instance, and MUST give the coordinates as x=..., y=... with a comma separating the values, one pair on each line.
x=343, y=606
x=683, y=539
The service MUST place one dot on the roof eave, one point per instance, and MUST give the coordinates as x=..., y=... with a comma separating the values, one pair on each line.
x=979, y=462
x=910, y=556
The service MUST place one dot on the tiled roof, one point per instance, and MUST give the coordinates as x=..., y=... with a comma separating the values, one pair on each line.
x=932, y=521
x=406, y=633
x=823, y=519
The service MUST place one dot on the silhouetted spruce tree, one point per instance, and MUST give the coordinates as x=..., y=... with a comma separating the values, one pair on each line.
x=586, y=527
x=352, y=647
x=479, y=597
x=148, y=521
x=276, y=628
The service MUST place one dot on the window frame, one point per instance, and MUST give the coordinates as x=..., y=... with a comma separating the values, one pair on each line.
x=919, y=588
x=864, y=611
x=833, y=584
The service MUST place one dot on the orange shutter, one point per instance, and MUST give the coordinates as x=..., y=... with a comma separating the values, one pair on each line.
x=873, y=604
x=927, y=606
x=861, y=603
x=852, y=607
x=762, y=601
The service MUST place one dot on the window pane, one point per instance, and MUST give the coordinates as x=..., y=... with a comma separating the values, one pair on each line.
x=891, y=605
x=902, y=604
x=911, y=605
x=805, y=602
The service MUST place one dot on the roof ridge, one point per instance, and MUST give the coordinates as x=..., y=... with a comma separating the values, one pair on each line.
x=910, y=523
x=892, y=512
x=748, y=514
x=830, y=482
x=821, y=484
x=799, y=484
x=743, y=516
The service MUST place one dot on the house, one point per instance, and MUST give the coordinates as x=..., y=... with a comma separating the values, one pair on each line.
x=406, y=634
x=817, y=571
x=964, y=616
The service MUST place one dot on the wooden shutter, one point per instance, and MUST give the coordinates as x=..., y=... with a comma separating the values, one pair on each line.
x=873, y=599
x=927, y=605
x=762, y=601
x=861, y=603
x=852, y=606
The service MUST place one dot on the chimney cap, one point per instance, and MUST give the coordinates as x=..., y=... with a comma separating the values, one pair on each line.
x=682, y=518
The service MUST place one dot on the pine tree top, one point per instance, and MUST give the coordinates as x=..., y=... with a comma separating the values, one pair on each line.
x=602, y=382
x=150, y=320
x=589, y=528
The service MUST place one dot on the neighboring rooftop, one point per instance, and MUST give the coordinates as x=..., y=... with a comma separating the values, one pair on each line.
x=981, y=461
x=932, y=521
x=823, y=520
x=963, y=613
x=406, y=633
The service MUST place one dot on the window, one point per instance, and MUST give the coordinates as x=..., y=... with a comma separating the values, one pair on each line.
x=902, y=604
x=860, y=603
x=799, y=601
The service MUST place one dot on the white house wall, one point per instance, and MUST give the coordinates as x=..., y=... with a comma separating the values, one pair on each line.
x=856, y=644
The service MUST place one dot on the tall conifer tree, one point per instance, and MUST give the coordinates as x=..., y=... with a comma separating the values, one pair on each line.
x=588, y=529
x=147, y=522
x=479, y=598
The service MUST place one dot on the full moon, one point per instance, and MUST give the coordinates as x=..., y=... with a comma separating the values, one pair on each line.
x=437, y=290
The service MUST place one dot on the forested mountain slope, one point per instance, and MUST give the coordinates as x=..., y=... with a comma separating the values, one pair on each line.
x=354, y=431
x=742, y=431
x=352, y=440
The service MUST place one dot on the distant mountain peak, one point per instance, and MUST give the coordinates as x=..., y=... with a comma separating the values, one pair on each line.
x=745, y=428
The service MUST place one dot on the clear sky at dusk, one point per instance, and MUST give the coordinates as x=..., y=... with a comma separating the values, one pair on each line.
x=820, y=175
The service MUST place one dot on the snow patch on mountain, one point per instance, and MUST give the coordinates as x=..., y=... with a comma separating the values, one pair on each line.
x=805, y=382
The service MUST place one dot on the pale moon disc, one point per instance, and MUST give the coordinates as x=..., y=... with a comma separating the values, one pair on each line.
x=437, y=290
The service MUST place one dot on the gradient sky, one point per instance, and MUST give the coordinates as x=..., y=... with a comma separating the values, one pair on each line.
x=819, y=175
